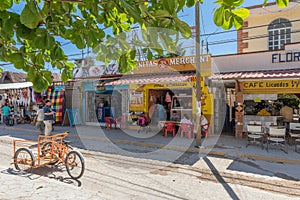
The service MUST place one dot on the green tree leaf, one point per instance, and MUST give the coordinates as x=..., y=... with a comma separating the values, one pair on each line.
x=190, y=3
x=170, y=6
x=282, y=3
x=17, y=59
x=237, y=22
x=30, y=15
x=242, y=13
x=219, y=16
x=183, y=27
x=6, y=4
x=66, y=75
x=162, y=14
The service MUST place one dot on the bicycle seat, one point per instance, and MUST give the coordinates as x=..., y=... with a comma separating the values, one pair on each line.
x=66, y=142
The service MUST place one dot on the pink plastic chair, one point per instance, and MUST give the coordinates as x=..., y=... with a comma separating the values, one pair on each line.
x=188, y=129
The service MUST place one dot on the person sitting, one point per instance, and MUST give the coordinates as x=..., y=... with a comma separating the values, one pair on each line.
x=185, y=120
x=204, y=123
x=175, y=117
x=142, y=120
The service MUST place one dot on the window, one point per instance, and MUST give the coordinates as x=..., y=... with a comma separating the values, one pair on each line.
x=279, y=33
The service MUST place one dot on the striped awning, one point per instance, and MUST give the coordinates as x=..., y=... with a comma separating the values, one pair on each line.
x=268, y=74
x=146, y=79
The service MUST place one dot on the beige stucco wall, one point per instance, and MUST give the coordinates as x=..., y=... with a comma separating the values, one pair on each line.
x=264, y=16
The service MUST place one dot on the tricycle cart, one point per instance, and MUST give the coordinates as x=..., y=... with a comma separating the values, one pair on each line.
x=48, y=150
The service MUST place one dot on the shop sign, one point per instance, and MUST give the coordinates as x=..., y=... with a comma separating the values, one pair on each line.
x=286, y=57
x=59, y=87
x=276, y=84
x=171, y=85
x=182, y=63
x=136, y=99
x=162, y=63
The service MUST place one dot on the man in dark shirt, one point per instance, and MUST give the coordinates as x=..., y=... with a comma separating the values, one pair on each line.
x=48, y=117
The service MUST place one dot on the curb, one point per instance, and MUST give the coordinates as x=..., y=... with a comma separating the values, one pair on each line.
x=177, y=148
x=272, y=159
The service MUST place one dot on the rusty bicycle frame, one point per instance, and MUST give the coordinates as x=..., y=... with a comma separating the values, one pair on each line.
x=50, y=150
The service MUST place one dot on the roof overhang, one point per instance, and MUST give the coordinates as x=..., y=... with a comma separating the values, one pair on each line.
x=152, y=78
x=248, y=75
x=7, y=86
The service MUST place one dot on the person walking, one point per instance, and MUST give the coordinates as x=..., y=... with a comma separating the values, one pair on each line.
x=48, y=117
x=40, y=120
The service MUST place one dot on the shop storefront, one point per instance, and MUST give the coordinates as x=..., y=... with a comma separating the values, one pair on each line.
x=261, y=93
x=169, y=82
x=100, y=100
x=264, y=99
x=22, y=100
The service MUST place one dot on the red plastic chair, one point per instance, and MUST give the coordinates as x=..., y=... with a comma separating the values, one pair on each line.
x=188, y=129
x=109, y=121
x=206, y=131
x=169, y=127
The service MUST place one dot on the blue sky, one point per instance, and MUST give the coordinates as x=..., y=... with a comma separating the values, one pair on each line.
x=208, y=30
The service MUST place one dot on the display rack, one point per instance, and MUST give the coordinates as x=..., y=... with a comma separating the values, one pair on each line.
x=182, y=104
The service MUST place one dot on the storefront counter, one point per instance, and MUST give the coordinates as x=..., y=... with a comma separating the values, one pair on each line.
x=262, y=119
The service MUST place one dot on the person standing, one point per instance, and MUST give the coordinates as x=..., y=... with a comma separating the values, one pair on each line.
x=48, y=117
x=40, y=120
x=5, y=111
x=160, y=110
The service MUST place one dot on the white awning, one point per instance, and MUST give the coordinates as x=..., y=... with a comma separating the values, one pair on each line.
x=7, y=86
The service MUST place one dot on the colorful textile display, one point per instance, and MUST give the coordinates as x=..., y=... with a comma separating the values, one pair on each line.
x=57, y=99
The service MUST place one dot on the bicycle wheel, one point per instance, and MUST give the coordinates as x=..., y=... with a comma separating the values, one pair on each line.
x=74, y=164
x=23, y=159
x=46, y=151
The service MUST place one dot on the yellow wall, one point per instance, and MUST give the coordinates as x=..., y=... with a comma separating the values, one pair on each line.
x=291, y=13
x=207, y=106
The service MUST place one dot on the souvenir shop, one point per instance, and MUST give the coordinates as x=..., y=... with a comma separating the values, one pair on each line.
x=22, y=99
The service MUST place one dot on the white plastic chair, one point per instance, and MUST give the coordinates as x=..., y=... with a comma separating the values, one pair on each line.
x=294, y=134
x=255, y=122
x=269, y=125
x=277, y=137
x=255, y=134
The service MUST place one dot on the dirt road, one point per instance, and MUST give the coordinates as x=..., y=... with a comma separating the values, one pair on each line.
x=118, y=177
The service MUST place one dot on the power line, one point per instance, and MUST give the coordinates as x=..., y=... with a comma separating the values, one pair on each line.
x=245, y=28
x=247, y=39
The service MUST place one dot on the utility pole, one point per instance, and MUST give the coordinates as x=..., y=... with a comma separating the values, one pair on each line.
x=198, y=75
